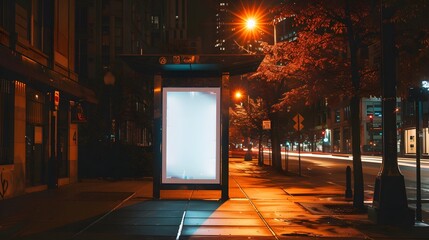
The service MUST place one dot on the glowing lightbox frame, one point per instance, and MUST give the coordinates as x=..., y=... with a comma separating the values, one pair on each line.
x=191, y=135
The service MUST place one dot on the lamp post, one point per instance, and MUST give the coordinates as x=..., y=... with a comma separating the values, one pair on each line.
x=109, y=81
x=251, y=24
x=390, y=205
x=248, y=155
x=274, y=32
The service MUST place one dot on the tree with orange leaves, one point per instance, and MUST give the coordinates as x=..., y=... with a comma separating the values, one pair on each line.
x=327, y=59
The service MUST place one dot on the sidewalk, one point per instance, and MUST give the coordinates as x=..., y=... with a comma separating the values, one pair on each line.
x=262, y=205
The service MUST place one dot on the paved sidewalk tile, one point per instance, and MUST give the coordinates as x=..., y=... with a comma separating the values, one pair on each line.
x=263, y=204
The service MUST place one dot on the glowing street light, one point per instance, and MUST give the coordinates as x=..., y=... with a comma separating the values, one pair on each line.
x=238, y=95
x=250, y=24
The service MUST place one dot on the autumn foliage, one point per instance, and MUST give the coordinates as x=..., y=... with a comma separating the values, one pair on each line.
x=336, y=54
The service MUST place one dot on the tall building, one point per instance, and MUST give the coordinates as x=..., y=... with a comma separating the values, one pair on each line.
x=187, y=26
x=107, y=30
x=176, y=25
x=224, y=28
x=121, y=121
x=41, y=97
x=201, y=24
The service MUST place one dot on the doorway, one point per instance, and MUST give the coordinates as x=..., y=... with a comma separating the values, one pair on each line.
x=35, y=138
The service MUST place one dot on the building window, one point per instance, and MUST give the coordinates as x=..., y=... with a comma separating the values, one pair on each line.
x=2, y=13
x=105, y=28
x=6, y=121
x=62, y=28
x=36, y=38
x=118, y=34
x=373, y=109
x=337, y=116
x=155, y=22
x=22, y=18
x=347, y=113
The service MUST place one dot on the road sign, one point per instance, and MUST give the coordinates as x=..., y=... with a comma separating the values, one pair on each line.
x=266, y=124
x=298, y=119
x=298, y=127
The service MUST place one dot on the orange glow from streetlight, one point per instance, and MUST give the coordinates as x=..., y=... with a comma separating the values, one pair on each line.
x=250, y=23
x=238, y=95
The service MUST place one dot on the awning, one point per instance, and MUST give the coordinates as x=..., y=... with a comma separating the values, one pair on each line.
x=34, y=73
x=194, y=65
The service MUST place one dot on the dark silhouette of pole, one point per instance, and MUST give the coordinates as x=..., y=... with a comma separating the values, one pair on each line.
x=390, y=204
x=225, y=88
x=419, y=135
x=287, y=158
x=248, y=155
x=299, y=145
x=348, y=193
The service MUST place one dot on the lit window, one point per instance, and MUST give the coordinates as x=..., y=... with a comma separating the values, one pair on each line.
x=337, y=116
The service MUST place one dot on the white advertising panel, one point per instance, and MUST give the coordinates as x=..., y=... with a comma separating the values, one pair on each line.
x=191, y=135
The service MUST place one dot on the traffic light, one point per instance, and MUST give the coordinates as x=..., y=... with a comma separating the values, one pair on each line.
x=323, y=133
x=371, y=118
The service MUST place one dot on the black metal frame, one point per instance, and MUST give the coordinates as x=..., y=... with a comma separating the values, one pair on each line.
x=157, y=179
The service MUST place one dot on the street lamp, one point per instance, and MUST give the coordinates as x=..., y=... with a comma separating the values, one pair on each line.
x=251, y=24
x=109, y=81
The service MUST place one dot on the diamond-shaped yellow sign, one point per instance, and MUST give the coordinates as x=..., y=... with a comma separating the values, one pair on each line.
x=298, y=119
x=298, y=127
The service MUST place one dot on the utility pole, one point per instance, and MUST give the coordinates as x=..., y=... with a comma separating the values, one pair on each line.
x=390, y=204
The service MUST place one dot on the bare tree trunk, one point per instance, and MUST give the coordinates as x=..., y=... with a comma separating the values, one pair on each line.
x=275, y=141
x=358, y=197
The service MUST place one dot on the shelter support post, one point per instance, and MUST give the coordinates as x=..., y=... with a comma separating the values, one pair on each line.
x=157, y=135
x=225, y=136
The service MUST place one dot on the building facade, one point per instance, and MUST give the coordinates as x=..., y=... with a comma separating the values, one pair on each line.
x=41, y=97
x=332, y=127
x=106, y=31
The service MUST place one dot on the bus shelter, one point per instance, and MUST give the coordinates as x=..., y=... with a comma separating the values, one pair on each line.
x=191, y=117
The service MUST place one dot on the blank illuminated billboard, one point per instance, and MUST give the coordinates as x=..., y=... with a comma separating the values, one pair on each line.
x=191, y=135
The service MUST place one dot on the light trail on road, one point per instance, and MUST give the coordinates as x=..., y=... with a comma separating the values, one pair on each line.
x=369, y=159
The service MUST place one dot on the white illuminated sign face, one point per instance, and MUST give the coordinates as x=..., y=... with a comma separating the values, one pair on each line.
x=191, y=135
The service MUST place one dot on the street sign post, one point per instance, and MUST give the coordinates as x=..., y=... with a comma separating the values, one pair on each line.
x=298, y=119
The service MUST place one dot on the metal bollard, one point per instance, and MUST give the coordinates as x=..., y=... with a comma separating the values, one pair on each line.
x=349, y=193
